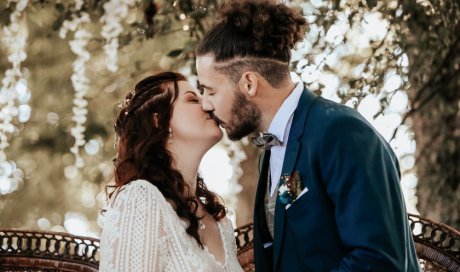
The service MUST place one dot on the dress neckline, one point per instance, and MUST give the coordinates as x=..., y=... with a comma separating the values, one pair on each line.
x=184, y=224
x=224, y=244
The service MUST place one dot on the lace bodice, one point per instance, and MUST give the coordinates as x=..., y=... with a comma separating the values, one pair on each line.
x=142, y=232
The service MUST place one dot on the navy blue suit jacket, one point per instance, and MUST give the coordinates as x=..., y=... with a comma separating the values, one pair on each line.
x=353, y=217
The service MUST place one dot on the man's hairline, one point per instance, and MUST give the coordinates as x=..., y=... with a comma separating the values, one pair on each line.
x=241, y=58
x=219, y=66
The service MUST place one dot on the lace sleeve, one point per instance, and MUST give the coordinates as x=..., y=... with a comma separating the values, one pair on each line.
x=133, y=244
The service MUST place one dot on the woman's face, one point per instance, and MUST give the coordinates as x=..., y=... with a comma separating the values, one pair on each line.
x=189, y=123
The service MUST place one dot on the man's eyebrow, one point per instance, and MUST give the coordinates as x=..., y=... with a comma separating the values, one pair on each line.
x=205, y=86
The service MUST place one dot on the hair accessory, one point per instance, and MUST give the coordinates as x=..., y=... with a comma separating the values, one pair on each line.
x=126, y=102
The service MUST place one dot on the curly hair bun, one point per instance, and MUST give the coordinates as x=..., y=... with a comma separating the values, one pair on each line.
x=273, y=28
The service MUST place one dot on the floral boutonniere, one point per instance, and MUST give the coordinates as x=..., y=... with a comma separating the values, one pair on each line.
x=290, y=188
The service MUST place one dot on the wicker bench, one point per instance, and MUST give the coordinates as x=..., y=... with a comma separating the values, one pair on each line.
x=47, y=251
x=437, y=246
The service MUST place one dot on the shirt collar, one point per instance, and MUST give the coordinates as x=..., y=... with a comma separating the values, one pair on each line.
x=285, y=112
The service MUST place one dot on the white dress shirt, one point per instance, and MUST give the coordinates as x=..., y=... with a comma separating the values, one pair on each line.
x=280, y=127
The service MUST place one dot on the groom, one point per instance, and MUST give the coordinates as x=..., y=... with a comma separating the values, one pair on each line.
x=328, y=197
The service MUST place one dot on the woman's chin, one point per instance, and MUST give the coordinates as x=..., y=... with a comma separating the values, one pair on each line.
x=218, y=136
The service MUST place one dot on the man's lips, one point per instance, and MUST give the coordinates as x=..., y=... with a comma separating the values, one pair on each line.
x=217, y=120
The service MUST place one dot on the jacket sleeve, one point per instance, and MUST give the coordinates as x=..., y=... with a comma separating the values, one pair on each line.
x=361, y=176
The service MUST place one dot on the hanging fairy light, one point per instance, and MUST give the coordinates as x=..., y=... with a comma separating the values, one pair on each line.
x=75, y=21
x=236, y=155
x=114, y=12
x=80, y=84
x=13, y=93
x=80, y=81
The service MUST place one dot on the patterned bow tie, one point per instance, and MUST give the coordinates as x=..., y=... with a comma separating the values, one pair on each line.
x=266, y=140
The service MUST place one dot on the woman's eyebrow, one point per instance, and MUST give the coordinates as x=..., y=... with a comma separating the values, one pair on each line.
x=191, y=92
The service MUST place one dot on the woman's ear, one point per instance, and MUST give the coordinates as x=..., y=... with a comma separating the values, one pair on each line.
x=155, y=119
x=248, y=83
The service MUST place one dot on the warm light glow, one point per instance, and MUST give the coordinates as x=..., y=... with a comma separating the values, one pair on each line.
x=216, y=169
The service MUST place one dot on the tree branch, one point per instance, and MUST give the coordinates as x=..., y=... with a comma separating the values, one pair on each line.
x=408, y=114
x=446, y=59
x=449, y=56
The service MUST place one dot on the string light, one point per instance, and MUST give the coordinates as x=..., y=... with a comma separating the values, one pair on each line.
x=13, y=91
x=114, y=12
x=80, y=81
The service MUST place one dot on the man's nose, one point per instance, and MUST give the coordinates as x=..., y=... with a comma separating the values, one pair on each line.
x=206, y=105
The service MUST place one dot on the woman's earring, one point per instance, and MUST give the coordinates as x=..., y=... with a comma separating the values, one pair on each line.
x=170, y=136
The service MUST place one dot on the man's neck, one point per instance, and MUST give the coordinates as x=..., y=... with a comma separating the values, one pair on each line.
x=273, y=101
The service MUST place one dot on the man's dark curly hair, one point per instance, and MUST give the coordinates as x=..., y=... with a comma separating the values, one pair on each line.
x=254, y=29
x=254, y=36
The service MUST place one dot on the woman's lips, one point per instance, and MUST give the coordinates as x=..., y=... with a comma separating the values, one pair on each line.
x=217, y=120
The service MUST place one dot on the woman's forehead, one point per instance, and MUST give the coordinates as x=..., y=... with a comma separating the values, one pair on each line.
x=185, y=87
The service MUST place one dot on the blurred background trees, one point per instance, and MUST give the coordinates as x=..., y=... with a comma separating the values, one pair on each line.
x=432, y=44
x=396, y=62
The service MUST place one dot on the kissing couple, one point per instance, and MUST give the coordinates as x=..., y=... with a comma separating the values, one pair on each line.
x=328, y=196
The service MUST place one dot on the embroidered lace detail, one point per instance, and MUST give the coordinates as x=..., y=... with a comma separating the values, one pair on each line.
x=142, y=232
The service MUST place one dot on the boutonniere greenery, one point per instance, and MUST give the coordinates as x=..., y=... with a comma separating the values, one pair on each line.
x=290, y=188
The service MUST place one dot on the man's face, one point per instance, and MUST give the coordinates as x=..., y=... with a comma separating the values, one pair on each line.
x=229, y=106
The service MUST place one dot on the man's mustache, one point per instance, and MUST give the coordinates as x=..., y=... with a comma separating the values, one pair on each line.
x=215, y=118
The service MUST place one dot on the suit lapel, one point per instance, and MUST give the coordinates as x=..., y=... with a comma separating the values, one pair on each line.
x=259, y=213
x=261, y=233
x=290, y=158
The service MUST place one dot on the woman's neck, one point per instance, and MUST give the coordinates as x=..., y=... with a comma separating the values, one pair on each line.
x=187, y=163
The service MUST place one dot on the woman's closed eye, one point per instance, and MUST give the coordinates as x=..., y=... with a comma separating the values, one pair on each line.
x=192, y=97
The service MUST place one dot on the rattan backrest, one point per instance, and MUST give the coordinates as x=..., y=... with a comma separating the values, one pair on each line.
x=437, y=245
x=47, y=251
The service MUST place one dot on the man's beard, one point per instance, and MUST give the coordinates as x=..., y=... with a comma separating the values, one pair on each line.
x=245, y=118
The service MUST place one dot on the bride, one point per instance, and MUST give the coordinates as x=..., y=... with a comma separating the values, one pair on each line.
x=161, y=216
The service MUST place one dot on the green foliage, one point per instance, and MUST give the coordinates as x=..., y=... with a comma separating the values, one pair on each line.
x=362, y=68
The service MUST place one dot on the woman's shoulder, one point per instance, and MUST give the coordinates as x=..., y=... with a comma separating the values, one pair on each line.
x=226, y=220
x=227, y=223
x=137, y=190
x=141, y=184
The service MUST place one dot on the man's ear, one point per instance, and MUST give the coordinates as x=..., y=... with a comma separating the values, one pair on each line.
x=248, y=83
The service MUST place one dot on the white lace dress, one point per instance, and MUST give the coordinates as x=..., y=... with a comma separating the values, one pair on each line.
x=142, y=232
